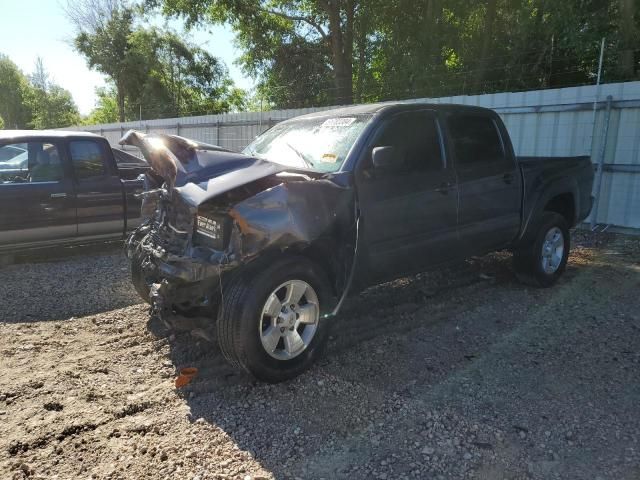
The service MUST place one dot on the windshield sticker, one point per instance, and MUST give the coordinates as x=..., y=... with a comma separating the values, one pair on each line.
x=329, y=158
x=338, y=122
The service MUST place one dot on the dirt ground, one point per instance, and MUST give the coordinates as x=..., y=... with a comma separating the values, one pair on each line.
x=459, y=373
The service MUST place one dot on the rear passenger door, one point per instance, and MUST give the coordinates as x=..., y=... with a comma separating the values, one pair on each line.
x=409, y=214
x=36, y=193
x=99, y=194
x=488, y=181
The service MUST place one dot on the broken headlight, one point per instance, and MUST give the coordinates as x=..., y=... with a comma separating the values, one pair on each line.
x=210, y=231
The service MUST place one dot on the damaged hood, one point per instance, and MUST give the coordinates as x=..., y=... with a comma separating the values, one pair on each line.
x=197, y=171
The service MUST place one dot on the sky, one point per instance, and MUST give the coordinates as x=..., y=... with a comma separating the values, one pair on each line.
x=32, y=28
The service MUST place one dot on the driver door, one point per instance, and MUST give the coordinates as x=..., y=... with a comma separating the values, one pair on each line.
x=409, y=212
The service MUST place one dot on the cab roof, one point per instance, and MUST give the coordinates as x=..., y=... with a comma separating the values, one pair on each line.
x=22, y=134
x=391, y=107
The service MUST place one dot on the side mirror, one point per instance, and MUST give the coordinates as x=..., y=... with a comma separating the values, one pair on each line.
x=385, y=158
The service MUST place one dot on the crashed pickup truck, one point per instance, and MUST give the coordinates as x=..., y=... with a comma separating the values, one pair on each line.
x=263, y=246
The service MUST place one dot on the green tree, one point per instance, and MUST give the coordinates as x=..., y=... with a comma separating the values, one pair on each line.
x=106, y=109
x=154, y=73
x=103, y=35
x=181, y=78
x=316, y=36
x=13, y=88
x=384, y=49
x=52, y=108
x=1, y=123
x=50, y=105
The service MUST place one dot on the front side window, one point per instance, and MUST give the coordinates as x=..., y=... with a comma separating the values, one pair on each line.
x=319, y=143
x=87, y=158
x=475, y=139
x=30, y=162
x=415, y=138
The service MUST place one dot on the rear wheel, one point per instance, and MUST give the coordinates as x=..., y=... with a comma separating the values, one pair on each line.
x=544, y=261
x=270, y=321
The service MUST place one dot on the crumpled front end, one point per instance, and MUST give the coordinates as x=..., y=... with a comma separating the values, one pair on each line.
x=163, y=246
x=194, y=234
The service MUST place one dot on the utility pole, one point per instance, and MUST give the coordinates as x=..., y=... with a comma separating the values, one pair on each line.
x=597, y=97
x=551, y=61
x=596, y=187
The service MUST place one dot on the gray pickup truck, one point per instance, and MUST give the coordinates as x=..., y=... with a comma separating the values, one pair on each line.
x=269, y=242
x=63, y=187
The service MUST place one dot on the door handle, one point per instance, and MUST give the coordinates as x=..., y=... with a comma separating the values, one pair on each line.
x=508, y=178
x=58, y=195
x=443, y=188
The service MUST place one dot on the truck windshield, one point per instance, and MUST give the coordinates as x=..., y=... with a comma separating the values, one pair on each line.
x=319, y=143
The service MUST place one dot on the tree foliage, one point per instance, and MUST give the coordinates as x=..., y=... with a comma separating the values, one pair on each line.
x=181, y=78
x=50, y=105
x=315, y=52
x=13, y=90
x=104, y=28
x=106, y=109
x=35, y=101
x=154, y=73
x=52, y=108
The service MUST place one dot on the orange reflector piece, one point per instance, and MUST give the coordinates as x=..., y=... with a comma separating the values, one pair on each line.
x=185, y=376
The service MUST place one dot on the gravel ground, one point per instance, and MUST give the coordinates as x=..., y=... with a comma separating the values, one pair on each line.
x=460, y=373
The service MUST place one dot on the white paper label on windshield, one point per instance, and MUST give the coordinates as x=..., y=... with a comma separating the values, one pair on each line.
x=338, y=122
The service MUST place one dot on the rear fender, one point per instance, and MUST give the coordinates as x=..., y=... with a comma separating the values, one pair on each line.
x=539, y=195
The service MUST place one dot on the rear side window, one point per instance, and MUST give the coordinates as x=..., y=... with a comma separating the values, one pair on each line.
x=87, y=157
x=475, y=139
x=415, y=137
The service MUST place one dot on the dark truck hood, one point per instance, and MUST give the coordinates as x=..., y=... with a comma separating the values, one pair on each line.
x=200, y=172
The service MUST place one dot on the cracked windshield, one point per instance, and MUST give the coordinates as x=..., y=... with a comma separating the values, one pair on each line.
x=321, y=143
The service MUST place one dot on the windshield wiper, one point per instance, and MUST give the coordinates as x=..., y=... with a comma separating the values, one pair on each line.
x=308, y=162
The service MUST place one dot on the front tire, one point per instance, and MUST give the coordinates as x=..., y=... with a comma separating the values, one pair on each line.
x=270, y=321
x=139, y=278
x=543, y=262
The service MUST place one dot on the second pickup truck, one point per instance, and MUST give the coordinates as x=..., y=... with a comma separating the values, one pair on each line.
x=269, y=242
x=64, y=187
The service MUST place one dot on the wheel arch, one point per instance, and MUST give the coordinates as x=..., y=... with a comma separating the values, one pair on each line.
x=565, y=205
x=561, y=196
x=321, y=253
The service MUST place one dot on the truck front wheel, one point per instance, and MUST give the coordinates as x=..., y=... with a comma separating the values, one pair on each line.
x=544, y=261
x=270, y=321
x=139, y=279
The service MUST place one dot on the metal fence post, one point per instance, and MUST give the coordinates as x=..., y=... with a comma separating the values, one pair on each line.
x=603, y=150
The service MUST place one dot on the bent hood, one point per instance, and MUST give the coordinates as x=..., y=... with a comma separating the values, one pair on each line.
x=196, y=170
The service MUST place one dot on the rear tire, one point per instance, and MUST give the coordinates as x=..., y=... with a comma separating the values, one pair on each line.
x=544, y=260
x=261, y=322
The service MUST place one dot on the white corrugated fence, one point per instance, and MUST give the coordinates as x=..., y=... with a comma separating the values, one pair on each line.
x=552, y=122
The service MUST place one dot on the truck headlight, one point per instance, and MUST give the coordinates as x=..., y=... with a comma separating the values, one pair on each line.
x=210, y=231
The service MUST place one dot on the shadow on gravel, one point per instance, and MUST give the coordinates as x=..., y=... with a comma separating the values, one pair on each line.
x=402, y=343
x=57, y=284
x=332, y=399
